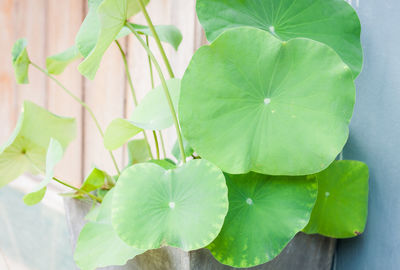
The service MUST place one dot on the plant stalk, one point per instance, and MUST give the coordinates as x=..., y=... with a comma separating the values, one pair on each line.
x=165, y=87
x=82, y=103
x=130, y=82
x=156, y=142
x=157, y=38
x=77, y=189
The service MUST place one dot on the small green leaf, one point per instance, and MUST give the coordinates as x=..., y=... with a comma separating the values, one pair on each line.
x=167, y=33
x=342, y=205
x=96, y=179
x=119, y=132
x=265, y=213
x=138, y=152
x=98, y=245
x=25, y=151
x=20, y=61
x=153, y=111
x=184, y=207
x=57, y=63
x=177, y=153
x=112, y=15
x=250, y=102
x=332, y=22
x=164, y=163
x=54, y=155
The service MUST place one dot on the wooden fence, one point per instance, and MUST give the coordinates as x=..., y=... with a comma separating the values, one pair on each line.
x=50, y=27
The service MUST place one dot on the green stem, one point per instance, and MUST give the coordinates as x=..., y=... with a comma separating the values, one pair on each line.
x=156, y=142
x=165, y=87
x=82, y=103
x=152, y=87
x=130, y=81
x=77, y=189
x=157, y=38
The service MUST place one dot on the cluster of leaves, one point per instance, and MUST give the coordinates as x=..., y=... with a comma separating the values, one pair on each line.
x=264, y=110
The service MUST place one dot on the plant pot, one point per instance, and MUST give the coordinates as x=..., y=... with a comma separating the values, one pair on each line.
x=311, y=252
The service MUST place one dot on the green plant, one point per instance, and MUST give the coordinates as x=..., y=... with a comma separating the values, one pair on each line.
x=263, y=113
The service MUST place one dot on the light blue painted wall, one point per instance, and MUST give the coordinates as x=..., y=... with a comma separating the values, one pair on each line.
x=375, y=139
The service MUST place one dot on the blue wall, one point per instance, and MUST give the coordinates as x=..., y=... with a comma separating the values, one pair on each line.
x=375, y=139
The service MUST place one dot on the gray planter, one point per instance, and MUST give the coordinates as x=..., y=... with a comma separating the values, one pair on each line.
x=308, y=252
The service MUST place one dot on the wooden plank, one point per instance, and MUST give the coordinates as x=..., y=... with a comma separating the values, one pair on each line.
x=61, y=32
x=8, y=105
x=30, y=20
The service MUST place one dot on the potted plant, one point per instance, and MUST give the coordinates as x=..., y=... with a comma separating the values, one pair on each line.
x=261, y=114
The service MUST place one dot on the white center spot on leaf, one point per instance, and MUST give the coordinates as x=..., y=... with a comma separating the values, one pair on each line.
x=249, y=201
x=267, y=101
x=272, y=29
x=327, y=194
x=171, y=205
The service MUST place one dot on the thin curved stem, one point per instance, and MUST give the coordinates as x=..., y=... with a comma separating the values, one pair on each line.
x=157, y=38
x=77, y=189
x=82, y=103
x=130, y=82
x=165, y=87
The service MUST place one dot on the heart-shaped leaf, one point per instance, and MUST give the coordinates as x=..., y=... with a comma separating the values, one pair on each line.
x=153, y=111
x=26, y=149
x=20, y=61
x=54, y=155
x=342, y=205
x=98, y=245
x=333, y=22
x=119, y=132
x=57, y=63
x=265, y=213
x=112, y=15
x=250, y=102
x=167, y=33
x=138, y=152
x=184, y=207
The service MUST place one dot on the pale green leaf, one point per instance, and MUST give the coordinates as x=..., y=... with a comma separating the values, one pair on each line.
x=250, y=102
x=164, y=163
x=138, y=152
x=98, y=245
x=112, y=15
x=25, y=151
x=342, y=205
x=153, y=112
x=119, y=132
x=54, y=155
x=183, y=207
x=20, y=60
x=176, y=151
x=57, y=63
x=167, y=33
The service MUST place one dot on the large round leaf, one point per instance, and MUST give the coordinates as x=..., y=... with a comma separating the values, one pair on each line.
x=265, y=213
x=183, y=207
x=250, y=102
x=342, y=204
x=333, y=22
x=98, y=245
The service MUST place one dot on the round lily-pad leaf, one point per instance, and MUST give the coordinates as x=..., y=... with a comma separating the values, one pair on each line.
x=333, y=22
x=183, y=207
x=98, y=245
x=250, y=102
x=265, y=213
x=342, y=205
